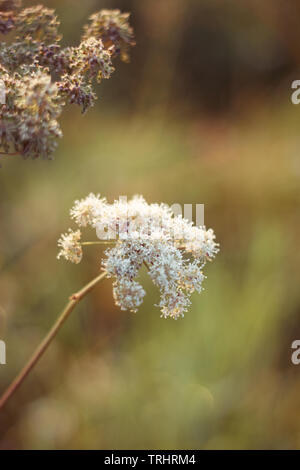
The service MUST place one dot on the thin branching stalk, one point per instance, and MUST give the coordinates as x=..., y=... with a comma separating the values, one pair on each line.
x=10, y=154
x=74, y=300
x=103, y=242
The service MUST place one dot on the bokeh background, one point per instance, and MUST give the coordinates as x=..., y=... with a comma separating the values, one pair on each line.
x=202, y=114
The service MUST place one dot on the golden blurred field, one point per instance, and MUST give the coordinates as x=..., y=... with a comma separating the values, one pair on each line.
x=221, y=377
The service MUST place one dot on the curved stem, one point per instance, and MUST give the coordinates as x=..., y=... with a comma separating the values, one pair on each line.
x=74, y=300
x=147, y=265
x=9, y=154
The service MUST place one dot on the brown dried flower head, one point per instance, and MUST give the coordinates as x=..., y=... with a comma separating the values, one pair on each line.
x=7, y=15
x=38, y=23
x=10, y=5
x=40, y=77
x=113, y=28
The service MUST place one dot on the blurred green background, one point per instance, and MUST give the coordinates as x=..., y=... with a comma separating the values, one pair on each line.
x=202, y=114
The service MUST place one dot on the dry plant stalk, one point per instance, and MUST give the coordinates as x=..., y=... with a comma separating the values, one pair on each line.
x=74, y=300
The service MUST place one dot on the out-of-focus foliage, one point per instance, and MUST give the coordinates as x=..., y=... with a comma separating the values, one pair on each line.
x=193, y=120
x=39, y=77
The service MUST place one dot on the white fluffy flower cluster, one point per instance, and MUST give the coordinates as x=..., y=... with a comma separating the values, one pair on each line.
x=70, y=246
x=172, y=248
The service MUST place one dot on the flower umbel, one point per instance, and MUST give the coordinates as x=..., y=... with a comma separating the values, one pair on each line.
x=172, y=248
x=70, y=246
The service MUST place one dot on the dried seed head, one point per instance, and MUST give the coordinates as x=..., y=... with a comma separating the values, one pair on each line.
x=10, y=5
x=7, y=22
x=112, y=27
x=38, y=23
x=35, y=53
x=91, y=58
x=76, y=90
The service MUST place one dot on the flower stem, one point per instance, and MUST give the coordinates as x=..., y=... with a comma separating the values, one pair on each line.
x=7, y=154
x=103, y=242
x=74, y=300
x=147, y=265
